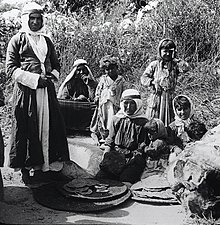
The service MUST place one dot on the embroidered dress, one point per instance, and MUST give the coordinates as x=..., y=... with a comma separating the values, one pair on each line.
x=161, y=78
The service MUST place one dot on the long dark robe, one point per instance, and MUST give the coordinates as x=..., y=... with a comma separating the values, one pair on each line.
x=25, y=146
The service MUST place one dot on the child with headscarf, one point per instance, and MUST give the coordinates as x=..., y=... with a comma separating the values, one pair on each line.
x=124, y=158
x=80, y=84
x=161, y=77
x=185, y=128
x=38, y=139
x=107, y=97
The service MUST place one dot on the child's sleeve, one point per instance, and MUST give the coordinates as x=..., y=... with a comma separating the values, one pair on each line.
x=147, y=77
x=99, y=89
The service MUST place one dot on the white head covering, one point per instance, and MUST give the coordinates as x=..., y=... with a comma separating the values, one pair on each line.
x=135, y=96
x=31, y=7
x=72, y=73
x=180, y=123
x=36, y=38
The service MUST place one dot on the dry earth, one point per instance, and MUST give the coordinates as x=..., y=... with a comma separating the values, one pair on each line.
x=19, y=206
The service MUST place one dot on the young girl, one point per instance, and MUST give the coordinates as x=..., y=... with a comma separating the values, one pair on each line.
x=124, y=158
x=107, y=97
x=185, y=128
x=161, y=76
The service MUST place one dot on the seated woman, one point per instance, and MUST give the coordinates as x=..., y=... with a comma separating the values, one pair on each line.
x=76, y=95
x=185, y=128
x=124, y=159
x=80, y=84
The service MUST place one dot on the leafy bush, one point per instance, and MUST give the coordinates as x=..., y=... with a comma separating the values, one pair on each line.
x=194, y=26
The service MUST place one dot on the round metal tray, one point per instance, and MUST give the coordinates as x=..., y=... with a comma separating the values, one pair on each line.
x=49, y=196
x=115, y=189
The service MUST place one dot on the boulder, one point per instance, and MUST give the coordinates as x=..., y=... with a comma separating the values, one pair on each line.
x=195, y=176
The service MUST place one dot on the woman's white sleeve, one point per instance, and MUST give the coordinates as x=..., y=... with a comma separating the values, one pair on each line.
x=26, y=78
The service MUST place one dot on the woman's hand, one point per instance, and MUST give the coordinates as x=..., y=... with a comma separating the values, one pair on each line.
x=50, y=76
x=85, y=78
x=81, y=98
x=42, y=82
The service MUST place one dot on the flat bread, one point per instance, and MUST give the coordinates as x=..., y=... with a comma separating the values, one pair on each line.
x=166, y=194
x=79, y=183
x=74, y=190
x=152, y=182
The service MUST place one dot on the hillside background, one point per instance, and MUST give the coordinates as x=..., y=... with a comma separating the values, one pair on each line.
x=131, y=30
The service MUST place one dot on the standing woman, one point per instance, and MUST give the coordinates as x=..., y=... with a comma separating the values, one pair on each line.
x=38, y=140
x=161, y=76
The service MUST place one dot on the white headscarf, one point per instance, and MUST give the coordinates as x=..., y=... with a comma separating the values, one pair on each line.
x=72, y=73
x=180, y=123
x=135, y=96
x=36, y=38
x=31, y=7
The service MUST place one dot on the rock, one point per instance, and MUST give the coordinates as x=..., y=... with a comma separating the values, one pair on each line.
x=195, y=176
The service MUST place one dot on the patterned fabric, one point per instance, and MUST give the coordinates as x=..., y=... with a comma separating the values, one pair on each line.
x=161, y=78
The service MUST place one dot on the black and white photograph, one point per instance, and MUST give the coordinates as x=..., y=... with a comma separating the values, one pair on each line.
x=110, y=112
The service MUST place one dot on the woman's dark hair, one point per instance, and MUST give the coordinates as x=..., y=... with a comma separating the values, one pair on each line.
x=168, y=44
x=181, y=102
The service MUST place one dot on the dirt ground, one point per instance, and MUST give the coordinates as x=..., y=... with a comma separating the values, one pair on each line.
x=19, y=206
